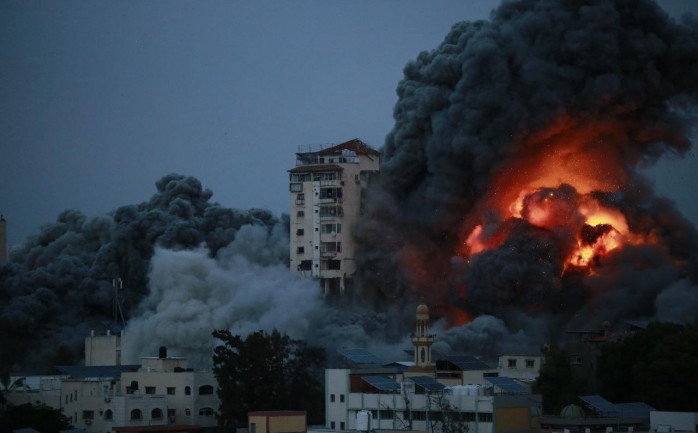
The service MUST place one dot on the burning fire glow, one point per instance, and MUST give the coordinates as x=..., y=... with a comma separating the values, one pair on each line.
x=553, y=187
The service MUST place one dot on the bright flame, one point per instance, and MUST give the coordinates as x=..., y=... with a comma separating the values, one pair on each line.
x=550, y=183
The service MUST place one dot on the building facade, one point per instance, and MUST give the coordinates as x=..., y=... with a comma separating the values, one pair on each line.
x=325, y=202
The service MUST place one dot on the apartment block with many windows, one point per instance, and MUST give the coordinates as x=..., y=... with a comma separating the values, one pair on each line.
x=326, y=191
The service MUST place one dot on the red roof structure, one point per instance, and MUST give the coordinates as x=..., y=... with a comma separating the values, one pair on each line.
x=354, y=145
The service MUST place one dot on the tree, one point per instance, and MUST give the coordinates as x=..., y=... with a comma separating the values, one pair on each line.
x=39, y=417
x=557, y=382
x=654, y=365
x=446, y=418
x=266, y=372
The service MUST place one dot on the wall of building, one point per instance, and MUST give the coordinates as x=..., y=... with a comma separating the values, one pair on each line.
x=674, y=421
x=277, y=422
x=102, y=349
x=191, y=395
x=523, y=367
x=34, y=389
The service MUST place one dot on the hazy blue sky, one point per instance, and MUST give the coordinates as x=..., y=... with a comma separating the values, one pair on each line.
x=98, y=100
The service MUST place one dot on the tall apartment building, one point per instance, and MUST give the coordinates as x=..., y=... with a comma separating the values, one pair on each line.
x=326, y=190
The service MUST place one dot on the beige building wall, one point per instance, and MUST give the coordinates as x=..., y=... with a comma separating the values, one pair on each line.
x=84, y=402
x=520, y=366
x=277, y=422
x=190, y=395
x=102, y=349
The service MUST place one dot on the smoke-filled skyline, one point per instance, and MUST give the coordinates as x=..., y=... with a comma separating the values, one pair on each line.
x=101, y=99
x=470, y=213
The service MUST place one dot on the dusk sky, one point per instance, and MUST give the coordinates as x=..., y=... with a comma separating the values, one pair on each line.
x=99, y=100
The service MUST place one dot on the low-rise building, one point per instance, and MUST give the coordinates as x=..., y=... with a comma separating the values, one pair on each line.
x=426, y=394
x=103, y=395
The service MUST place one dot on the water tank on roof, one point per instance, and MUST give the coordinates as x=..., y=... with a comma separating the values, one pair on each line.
x=363, y=420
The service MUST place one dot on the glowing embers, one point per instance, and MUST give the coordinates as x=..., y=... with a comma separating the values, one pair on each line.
x=585, y=229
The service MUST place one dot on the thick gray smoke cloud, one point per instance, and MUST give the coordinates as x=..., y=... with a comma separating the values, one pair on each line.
x=59, y=284
x=496, y=97
x=189, y=267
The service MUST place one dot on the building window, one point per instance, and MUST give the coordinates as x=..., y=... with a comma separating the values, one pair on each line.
x=136, y=414
x=331, y=228
x=108, y=415
x=300, y=250
x=300, y=214
x=150, y=390
x=205, y=390
x=511, y=363
x=332, y=425
x=530, y=363
x=296, y=187
x=305, y=265
x=156, y=413
x=331, y=211
x=300, y=232
x=171, y=413
x=88, y=414
x=170, y=390
x=300, y=199
x=206, y=411
x=341, y=425
x=341, y=399
x=330, y=193
x=187, y=390
x=187, y=412
x=331, y=398
x=334, y=265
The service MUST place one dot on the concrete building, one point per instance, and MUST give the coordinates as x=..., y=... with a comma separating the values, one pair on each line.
x=103, y=349
x=325, y=202
x=424, y=394
x=189, y=396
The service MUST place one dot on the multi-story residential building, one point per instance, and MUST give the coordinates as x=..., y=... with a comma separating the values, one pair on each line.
x=189, y=396
x=326, y=191
x=370, y=395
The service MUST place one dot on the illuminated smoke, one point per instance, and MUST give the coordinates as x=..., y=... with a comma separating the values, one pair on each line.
x=569, y=98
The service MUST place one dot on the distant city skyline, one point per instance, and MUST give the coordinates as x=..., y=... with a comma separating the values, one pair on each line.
x=102, y=99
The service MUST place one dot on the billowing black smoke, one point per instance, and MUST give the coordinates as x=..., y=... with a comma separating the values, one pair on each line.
x=621, y=78
x=189, y=266
x=59, y=284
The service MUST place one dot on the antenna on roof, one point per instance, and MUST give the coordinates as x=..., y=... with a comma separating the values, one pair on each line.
x=117, y=309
